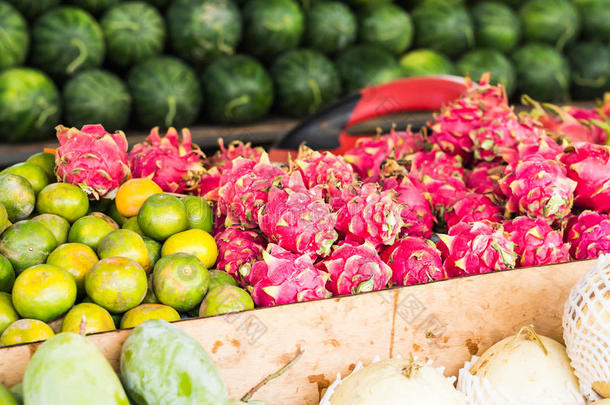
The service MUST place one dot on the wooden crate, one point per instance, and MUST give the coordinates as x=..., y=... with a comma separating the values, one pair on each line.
x=446, y=321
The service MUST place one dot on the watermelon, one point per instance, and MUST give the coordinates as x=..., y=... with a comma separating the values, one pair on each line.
x=94, y=6
x=443, y=26
x=590, y=63
x=331, y=27
x=366, y=3
x=14, y=37
x=542, y=72
x=386, y=26
x=426, y=62
x=96, y=97
x=364, y=65
x=237, y=89
x=160, y=4
x=33, y=8
x=165, y=92
x=595, y=17
x=272, y=27
x=134, y=31
x=67, y=40
x=305, y=81
x=479, y=61
x=554, y=22
x=496, y=26
x=30, y=105
x=202, y=30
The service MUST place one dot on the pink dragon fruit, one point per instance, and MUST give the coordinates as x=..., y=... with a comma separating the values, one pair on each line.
x=539, y=188
x=322, y=168
x=416, y=213
x=477, y=247
x=298, y=219
x=244, y=189
x=174, y=165
x=237, y=250
x=223, y=158
x=589, y=166
x=543, y=145
x=355, y=268
x=283, y=277
x=209, y=184
x=483, y=178
x=92, y=159
x=589, y=235
x=471, y=208
x=536, y=242
x=413, y=261
x=372, y=215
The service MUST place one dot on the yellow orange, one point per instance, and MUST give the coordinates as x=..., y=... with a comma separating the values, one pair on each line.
x=132, y=194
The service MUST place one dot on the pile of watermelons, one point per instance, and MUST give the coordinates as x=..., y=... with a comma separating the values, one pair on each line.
x=180, y=62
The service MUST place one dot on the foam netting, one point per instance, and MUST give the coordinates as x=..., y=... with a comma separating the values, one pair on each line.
x=586, y=327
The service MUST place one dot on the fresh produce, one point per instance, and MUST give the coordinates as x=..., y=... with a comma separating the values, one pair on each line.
x=330, y=27
x=67, y=40
x=272, y=27
x=86, y=318
x=96, y=96
x=198, y=213
x=94, y=6
x=35, y=175
x=161, y=216
x=478, y=62
x=90, y=230
x=126, y=244
x=144, y=312
x=132, y=194
x=550, y=21
x=15, y=40
x=536, y=242
x=587, y=235
x=225, y=299
x=194, y=242
x=6, y=397
x=30, y=105
x=25, y=331
x=586, y=165
x=58, y=226
x=8, y=315
x=46, y=161
x=496, y=26
x=33, y=8
x=238, y=249
x=26, y=243
x=386, y=26
x=17, y=197
x=134, y=31
x=305, y=81
x=180, y=281
x=413, y=261
x=595, y=21
x=7, y=275
x=363, y=65
x=426, y=62
x=237, y=90
x=219, y=278
x=590, y=63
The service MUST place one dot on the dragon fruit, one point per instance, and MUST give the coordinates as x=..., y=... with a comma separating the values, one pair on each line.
x=173, y=164
x=539, y=188
x=237, y=250
x=416, y=213
x=589, y=166
x=355, y=268
x=92, y=159
x=483, y=178
x=413, y=261
x=536, y=242
x=542, y=145
x=283, y=277
x=322, y=168
x=589, y=235
x=298, y=219
x=243, y=190
x=225, y=156
x=471, y=208
x=477, y=247
x=371, y=215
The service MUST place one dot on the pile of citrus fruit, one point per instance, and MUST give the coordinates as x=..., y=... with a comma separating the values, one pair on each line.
x=68, y=263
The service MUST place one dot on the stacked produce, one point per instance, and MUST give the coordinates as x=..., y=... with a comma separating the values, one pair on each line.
x=181, y=62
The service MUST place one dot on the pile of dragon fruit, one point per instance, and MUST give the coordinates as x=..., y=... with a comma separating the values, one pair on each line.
x=482, y=189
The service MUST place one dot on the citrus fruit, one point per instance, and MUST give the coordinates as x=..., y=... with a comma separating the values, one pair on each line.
x=4, y=222
x=106, y=218
x=150, y=297
x=115, y=214
x=154, y=250
x=219, y=277
x=225, y=299
x=26, y=244
x=43, y=292
x=144, y=312
x=46, y=161
x=31, y=172
x=75, y=258
x=132, y=225
x=198, y=213
x=8, y=315
x=116, y=283
x=87, y=318
x=6, y=397
x=161, y=216
x=180, y=281
x=132, y=194
x=58, y=226
x=195, y=242
x=125, y=243
x=25, y=331
x=7, y=274
x=63, y=199
x=17, y=196
x=89, y=230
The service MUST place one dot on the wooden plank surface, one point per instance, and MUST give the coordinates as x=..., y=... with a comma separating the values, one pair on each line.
x=446, y=321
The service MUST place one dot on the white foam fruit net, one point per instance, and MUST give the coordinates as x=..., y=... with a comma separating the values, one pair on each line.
x=586, y=327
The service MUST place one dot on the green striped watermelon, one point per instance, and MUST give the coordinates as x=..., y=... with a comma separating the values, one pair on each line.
x=555, y=22
x=165, y=92
x=479, y=61
x=94, y=6
x=14, y=37
x=590, y=63
x=134, y=31
x=496, y=25
x=595, y=16
x=426, y=62
x=96, y=97
x=364, y=65
x=33, y=8
x=30, y=105
x=542, y=72
x=386, y=26
x=331, y=27
x=160, y=4
x=67, y=40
